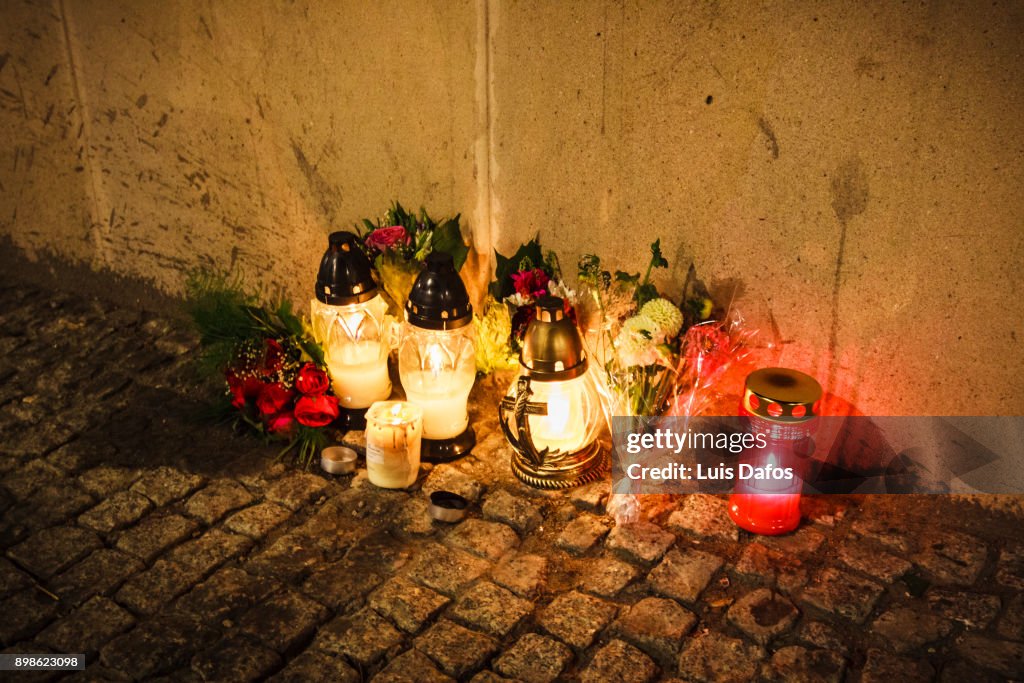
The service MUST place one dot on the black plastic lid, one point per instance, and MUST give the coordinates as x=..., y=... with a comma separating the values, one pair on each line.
x=345, y=275
x=438, y=300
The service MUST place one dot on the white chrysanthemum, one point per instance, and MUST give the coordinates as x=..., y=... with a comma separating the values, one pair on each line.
x=635, y=344
x=562, y=291
x=665, y=318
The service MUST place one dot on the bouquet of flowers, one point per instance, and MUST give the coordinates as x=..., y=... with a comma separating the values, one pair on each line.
x=633, y=334
x=400, y=241
x=275, y=385
x=519, y=280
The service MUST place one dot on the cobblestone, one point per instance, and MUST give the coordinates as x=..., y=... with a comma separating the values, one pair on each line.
x=714, y=657
x=364, y=637
x=116, y=512
x=283, y=621
x=705, y=517
x=155, y=534
x=210, y=550
x=684, y=574
x=53, y=550
x=523, y=574
x=99, y=574
x=763, y=615
x=256, y=522
x=974, y=610
x=656, y=626
x=235, y=659
x=640, y=542
x=216, y=500
x=314, y=666
x=225, y=595
x=457, y=650
x=875, y=563
x=519, y=513
x=412, y=665
x=607, y=576
x=88, y=628
x=180, y=551
x=796, y=663
x=581, y=534
x=295, y=489
x=842, y=594
x=148, y=592
x=575, y=618
x=883, y=667
x=953, y=558
x=619, y=661
x=406, y=604
x=158, y=646
x=446, y=570
x=166, y=484
x=534, y=659
x=489, y=540
x=490, y=608
x=999, y=656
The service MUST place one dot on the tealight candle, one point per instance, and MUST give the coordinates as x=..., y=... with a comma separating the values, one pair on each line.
x=394, y=432
x=338, y=460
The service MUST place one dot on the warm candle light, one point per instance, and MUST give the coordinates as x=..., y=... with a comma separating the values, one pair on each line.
x=394, y=430
x=350, y=322
x=551, y=413
x=782, y=405
x=437, y=360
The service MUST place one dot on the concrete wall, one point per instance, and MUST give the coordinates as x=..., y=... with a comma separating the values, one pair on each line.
x=853, y=168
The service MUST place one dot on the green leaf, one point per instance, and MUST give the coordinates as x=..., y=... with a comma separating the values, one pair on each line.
x=626, y=278
x=645, y=293
x=657, y=260
x=589, y=269
x=447, y=238
x=502, y=285
x=370, y=227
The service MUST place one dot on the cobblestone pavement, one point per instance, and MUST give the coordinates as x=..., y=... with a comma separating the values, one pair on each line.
x=160, y=546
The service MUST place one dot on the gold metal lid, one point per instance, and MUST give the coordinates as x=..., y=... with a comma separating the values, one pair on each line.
x=552, y=347
x=782, y=394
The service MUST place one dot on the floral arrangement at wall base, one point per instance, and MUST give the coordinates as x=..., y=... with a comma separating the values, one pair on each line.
x=274, y=383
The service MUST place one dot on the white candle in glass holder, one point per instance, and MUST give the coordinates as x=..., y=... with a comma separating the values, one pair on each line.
x=359, y=373
x=394, y=432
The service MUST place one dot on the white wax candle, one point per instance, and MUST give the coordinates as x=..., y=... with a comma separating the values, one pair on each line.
x=359, y=373
x=443, y=397
x=394, y=432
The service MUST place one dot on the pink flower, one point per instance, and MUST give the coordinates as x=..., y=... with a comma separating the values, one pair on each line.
x=532, y=283
x=282, y=423
x=383, y=239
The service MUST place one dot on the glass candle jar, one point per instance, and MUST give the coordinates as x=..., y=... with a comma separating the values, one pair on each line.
x=781, y=405
x=394, y=432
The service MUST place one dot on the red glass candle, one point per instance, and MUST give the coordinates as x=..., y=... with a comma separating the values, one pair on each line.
x=782, y=405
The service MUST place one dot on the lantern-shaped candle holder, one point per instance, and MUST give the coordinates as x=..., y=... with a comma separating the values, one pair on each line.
x=437, y=359
x=349, y=321
x=782, y=405
x=551, y=413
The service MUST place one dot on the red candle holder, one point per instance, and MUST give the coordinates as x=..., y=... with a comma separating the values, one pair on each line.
x=782, y=405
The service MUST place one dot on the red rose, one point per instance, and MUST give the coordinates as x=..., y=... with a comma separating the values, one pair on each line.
x=311, y=380
x=281, y=423
x=532, y=283
x=273, y=357
x=242, y=390
x=383, y=239
x=316, y=411
x=273, y=398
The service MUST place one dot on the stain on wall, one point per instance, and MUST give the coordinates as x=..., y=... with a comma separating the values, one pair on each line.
x=852, y=170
